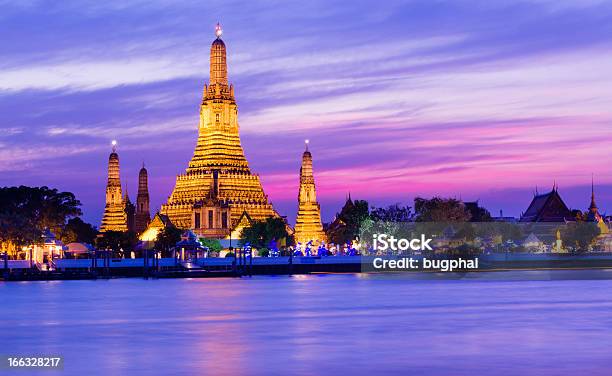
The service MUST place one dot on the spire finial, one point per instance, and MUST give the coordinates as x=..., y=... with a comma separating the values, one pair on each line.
x=593, y=204
x=218, y=30
x=114, y=144
x=306, y=142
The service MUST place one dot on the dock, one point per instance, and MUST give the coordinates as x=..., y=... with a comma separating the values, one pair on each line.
x=153, y=267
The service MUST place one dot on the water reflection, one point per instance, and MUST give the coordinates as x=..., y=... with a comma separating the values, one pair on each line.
x=518, y=323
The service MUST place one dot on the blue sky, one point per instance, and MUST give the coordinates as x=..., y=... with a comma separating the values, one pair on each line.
x=473, y=99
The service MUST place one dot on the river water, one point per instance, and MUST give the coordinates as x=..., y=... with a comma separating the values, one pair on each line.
x=502, y=323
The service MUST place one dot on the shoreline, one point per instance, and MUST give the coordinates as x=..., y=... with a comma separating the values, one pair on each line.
x=75, y=269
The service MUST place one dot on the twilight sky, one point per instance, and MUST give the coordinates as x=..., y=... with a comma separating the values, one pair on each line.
x=474, y=99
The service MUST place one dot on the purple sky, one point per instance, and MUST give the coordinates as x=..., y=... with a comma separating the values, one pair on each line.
x=473, y=99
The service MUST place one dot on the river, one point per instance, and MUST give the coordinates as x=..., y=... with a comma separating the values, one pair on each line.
x=496, y=323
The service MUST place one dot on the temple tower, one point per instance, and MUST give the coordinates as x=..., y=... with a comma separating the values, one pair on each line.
x=308, y=222
x=143, y=215
x=593, y=214
x=218, y=149
x=130, y=210
x=114, y=218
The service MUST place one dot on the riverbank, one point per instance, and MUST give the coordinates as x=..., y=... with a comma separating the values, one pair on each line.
x=19, y=270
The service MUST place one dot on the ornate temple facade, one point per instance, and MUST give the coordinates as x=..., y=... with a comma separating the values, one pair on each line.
x=218, y=186
x=143, y=215
x=115, y=217
x=308, y=225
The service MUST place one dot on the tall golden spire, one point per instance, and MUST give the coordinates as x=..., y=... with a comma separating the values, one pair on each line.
x=114, y=218
x=218, y=151
x=308, y=225
x=218, y=59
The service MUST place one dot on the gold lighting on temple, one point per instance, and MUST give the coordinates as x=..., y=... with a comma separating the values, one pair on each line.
x=115, y=217
x=218, y=186
x=308, y=222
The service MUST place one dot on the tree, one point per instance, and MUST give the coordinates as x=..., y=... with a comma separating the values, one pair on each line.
x=76, y=230
x=392, y=213
x=580, y=234
x=261, y=233
x=477, y=212
x=121, y=243
x=440, y=209
x=347, y=224
x=167, y=239
x=26, y=211
x=213, y=245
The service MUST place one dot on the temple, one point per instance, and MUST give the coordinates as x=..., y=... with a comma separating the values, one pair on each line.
x=308, y=222
x=130, y=210
x=218, y=186
x=143, y=215
x=593, y=215
x=115, y=217
x=593, y=212
x=547, y=207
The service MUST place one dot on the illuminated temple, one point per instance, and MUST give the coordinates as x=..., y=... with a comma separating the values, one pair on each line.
x=308, y=222
x=115, y=216
x=218, y=191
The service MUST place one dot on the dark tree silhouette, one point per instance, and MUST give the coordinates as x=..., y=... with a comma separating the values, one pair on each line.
x=26, y=211
x=261, y=233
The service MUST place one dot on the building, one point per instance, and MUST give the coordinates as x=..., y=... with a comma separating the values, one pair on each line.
x=603, y=242
x=547, y=207
x=218, y=181
x=211, y=215
x=533, y=244
x=156, y=225
x=115, y=217
x=143, y=214
x=593, y=212
x=130, y=210
x=308, y=225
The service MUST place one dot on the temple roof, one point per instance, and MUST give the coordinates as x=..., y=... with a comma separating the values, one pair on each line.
x=218, y=42
x=547, y=207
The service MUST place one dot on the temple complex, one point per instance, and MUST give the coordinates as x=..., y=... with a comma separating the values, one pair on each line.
x=114, y=218
x=308, y=222
x=218, y=186
x=143, y=215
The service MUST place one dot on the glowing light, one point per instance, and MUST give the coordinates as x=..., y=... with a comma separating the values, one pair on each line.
x=307, y=141
x=114, y=143
x=218, y=30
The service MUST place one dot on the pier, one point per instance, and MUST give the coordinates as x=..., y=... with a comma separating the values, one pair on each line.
x=101, y=265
